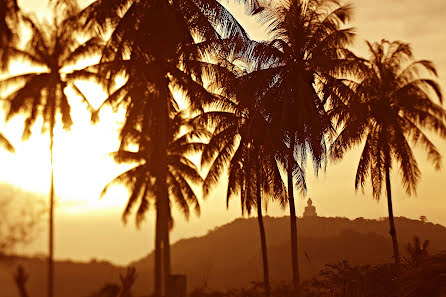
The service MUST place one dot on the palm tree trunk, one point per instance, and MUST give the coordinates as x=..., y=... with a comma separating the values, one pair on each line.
x=161, y=180
x=166, y=254
x=262, y=239
x=51, y=222
x=293, y=221
x=392, y=231
x=157, y=276
x=162, y=252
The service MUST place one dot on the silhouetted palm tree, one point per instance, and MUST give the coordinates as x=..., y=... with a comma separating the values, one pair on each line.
x=389, y=107
x=51, y=49
x=158, y=46
x=181, y=171
x=417, y=251
x=427, y=280
x=239, y=143
x=304, y=51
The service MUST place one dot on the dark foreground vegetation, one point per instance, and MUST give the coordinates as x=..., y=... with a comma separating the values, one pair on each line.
x=257, y=110
x=421, y=275
x=343, y=280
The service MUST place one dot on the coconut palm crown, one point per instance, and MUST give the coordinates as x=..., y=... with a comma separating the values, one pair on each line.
x=305, y=51
x=388, y=109
x=182, y=172
x=51, y=50
x=159, y=47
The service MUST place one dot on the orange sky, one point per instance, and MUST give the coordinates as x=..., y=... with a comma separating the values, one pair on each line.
x=88, y=227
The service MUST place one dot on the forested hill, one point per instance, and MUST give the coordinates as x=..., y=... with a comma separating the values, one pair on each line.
x=229, y=256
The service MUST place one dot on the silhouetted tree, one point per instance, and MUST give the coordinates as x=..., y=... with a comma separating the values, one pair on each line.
x=181, y=171
x=20, y=279
x=428, y=280
x=238, y=142
x=124, y=290
x=388, y=107
x=50, y=48
x=127, y=281
x=159, y=46
x=343, y=280
x=417, y=251
x=304, y=51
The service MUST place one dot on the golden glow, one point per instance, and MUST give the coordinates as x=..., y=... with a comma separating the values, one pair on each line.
x=82, y=165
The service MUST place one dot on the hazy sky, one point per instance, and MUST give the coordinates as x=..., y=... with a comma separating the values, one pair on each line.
x=88, y=227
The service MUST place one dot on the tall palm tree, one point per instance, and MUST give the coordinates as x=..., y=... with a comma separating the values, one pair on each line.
x=51, y=49
x=158, y=46
x=238, y=143
x=182, y=172
x=305, y=50
x=387, y=108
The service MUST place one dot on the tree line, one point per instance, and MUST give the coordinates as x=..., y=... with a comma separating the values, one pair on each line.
x=256, y=109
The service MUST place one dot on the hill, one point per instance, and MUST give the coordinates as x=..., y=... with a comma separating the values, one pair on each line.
x=229, y=256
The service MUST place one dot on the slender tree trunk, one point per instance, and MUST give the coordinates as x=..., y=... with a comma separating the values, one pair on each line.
x=161, y=180
x=162, y=253
x=262, y=237
x=51, y=222
x=392, y=231
x=293, y=221
x=166, y=254
x=165, y=201
x=157, y=276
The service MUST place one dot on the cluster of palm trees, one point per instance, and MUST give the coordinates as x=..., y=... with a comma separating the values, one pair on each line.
x=256, y=110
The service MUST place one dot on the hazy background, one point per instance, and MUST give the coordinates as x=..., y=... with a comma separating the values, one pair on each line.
x=88, y=227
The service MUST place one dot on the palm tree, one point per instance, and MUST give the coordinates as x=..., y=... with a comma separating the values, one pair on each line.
x=388, y=107
x=305, y=50
x=417, y=251
x=159, y=47
x=239, y=143
x=51, y=48
x=427, y=280
x=181, y=171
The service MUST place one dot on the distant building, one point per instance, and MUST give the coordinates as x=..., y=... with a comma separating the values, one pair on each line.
x=310, y=210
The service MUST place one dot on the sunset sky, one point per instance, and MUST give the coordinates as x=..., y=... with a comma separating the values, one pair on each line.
x=88, y=227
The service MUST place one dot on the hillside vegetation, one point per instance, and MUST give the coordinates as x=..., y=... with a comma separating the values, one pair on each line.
x=229, y=256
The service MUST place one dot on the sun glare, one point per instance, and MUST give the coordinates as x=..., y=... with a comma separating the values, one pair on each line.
x=82, y=164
